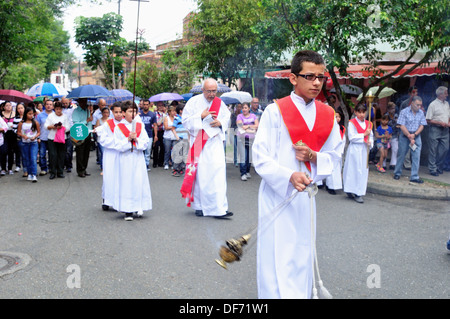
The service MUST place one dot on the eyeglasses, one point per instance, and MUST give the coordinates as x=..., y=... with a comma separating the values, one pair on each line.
x=210, y=91
x=313, y=77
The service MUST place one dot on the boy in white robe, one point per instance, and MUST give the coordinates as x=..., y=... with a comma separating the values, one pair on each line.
x=284, y=247
x=356, y=171
x=210, y=187
x=130, y=141
x=105, y=136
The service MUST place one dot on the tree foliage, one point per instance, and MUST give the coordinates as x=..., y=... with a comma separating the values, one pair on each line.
x=229, y=42
x=346, y=32
x=100, y=38
x=32, y=41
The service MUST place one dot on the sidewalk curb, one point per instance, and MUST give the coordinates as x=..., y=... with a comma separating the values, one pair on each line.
x=418, y=191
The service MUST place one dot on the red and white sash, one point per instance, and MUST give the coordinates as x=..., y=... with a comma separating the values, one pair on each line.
x=187, y=188
x=122, y=127
x=361, y=130
x=298, y=129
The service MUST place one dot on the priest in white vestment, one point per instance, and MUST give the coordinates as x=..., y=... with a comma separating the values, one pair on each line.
x=284, y=245
x=210, y=187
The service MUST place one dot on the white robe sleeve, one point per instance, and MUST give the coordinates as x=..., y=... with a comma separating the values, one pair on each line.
x=192, y=117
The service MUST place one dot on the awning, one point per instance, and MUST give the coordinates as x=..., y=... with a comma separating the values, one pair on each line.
x=360, y=71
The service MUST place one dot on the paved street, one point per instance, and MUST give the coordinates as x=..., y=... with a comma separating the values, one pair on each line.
x=395, y=246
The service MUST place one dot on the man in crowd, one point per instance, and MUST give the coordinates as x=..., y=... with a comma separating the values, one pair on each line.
x=83, y=114
x=438, y=119
x=412, y=121
x=149, y=120
x=67, y=110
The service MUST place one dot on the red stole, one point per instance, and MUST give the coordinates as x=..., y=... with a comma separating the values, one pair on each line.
x=187, y=188
x=342, y=130
x=359, y=129
x=111, y=124
x=127, y=132
x=298, y=129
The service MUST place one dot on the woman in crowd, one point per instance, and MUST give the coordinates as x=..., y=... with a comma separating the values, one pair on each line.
x=170, y=136
x=29, y=131
x=247, y=124
x=10, y=140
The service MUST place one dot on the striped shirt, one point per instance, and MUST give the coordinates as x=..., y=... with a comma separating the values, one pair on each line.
x=410, y=120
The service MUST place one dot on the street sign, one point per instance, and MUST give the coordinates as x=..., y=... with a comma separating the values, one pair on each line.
x=79, y=132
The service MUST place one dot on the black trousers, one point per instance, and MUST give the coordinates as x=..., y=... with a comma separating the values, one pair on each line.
x=158, y=150
x=56, y=155
x=82, y=155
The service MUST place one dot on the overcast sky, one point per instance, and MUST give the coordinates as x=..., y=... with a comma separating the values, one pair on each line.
x=161, y=20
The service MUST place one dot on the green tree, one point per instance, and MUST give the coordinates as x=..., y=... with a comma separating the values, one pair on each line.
x=346, y=32
x=228, y=40
x=32, y=40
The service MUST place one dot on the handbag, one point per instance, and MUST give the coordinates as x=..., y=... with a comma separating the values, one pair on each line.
x=60, y=136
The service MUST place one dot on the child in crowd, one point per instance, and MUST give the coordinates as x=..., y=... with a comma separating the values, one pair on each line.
x=180, y=149
x=383, y=135
x=334, y=181
x=105, y=135
x=29, y=131
x=356, y=170
x=131, y=140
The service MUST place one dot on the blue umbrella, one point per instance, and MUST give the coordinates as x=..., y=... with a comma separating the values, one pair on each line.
x=221, y=88
x=166, y=97
x=119, y=95
x=187, y=96
x=89, y=91
x=47, y=89
x=229, y=100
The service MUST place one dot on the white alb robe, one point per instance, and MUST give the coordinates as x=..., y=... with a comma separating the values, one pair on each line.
x=210, y=186
x=334, y=181
x=284, y=256
x=356, y=172
x=110, y=186
x=134, y=185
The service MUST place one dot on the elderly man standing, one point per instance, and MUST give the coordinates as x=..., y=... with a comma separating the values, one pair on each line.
x=206, y=118
x=438, y=118
x=411, y=121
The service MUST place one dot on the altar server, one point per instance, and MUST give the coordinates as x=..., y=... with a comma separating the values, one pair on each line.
x=284, y=247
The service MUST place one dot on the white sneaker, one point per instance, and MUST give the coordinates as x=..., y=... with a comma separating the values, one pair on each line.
x=17, y=169
x=128, y=216
x=243, y=177
x=30, y=177
x=166, y=167
x=34, y=179
x=248, y=175
x=2, y=173
x=11, y=172
x=139, y=213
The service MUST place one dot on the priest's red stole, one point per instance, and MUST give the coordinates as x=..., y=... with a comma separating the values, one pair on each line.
x=187, y=188
x=298, y=129
x=111, y=124
x=359, y=129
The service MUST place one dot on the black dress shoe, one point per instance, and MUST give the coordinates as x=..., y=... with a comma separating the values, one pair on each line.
x=228, y=214
x=81, y=175
x=396, y=177
x=87, y=174
x=61, y=175
x=434, y=173
x=331, y=191
x=199, y=213
x=52, y=176
x=417, y=181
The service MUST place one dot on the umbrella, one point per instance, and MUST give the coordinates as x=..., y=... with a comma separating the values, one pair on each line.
x=14, y=96
x=385, y=92
x=229, y=100
x=221, y=88
x=349, y=89
x=89, y=91
x=47, y=89
x=39, y=99
x=187, y=96
x=119, y=95
x=166, y=97
x=243, y=97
